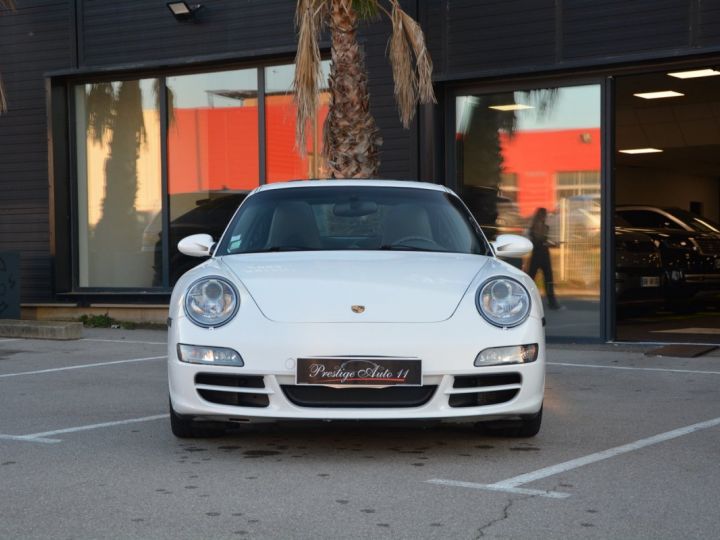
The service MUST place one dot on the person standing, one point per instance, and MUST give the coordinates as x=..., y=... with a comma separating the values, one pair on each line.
x=540, y=258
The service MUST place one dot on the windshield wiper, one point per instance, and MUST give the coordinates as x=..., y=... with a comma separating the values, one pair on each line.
x=405, y=247
x=274, y=249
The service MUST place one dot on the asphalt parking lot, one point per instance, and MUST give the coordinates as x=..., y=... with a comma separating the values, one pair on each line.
x=628, y=449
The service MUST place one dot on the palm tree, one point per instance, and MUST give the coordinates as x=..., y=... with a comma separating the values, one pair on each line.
x=4, y=4
x=351, y=138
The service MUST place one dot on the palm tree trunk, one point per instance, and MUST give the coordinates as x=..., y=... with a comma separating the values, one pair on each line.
x=352, y=139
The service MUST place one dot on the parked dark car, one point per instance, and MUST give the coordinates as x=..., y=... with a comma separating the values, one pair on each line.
x=210, y=215
x=639, y=275
x=689, y=248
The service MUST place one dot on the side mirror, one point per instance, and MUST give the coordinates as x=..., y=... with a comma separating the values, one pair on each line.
x=508, y=246
x=197, y=245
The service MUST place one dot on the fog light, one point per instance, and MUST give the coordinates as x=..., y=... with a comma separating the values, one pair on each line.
x=214, y=356
x=516, y=354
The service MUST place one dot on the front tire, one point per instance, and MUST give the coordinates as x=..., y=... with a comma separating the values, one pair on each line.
x=184, y=428
x=527, y=426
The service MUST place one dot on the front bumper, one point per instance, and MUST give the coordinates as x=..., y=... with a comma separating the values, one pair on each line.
x=453, y=389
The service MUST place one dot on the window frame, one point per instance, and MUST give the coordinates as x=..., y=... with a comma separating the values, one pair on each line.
x=64, y=176
x=606, y=328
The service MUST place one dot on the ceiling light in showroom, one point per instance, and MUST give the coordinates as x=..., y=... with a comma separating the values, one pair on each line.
x=659, y=95
x=511, y=107
x=640, y=151
x=693, y=74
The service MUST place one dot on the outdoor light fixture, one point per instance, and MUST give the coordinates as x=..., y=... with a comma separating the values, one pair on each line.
x=659, y=95
x=511, y=107
x=182, y=11
x=693, y=74
x=640, y=151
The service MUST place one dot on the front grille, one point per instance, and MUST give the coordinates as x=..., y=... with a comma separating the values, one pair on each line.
x=492, y=389
x=708, y=246
x=236, y=390
x=327, y=396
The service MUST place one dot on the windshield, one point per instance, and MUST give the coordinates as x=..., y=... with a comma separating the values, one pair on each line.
x=330, y=218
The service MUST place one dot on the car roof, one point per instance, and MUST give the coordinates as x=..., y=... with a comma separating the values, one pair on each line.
x=644, y=207
x=359, y=182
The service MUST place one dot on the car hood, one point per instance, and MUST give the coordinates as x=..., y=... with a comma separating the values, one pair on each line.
x=324, y=286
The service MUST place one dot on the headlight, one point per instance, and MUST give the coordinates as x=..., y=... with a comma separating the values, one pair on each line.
x=503, y=302
x=211, y=302
x=215, y=356
x=499, y=356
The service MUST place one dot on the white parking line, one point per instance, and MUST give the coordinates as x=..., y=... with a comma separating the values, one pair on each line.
x=598, y=366
x=46, y=434
x=8, y=340
x=25, y=438
x=125, y=341
x=512, y=485
x=43, y=437
x=496, y=487
x=81, y=366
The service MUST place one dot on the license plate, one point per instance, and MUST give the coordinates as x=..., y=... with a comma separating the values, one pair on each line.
x=359, y=371
x=650, y=281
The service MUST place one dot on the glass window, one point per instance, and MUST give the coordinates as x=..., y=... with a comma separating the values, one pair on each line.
x=283, y=161
x=213, y=156
x=529, y=162
x=347, y=218
x=119, y=181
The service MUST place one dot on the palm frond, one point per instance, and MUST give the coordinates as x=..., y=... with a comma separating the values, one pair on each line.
x=3, y=101
x=100, y=109
x=424, y=64
x=413, y=83
x=402, y=67
x=308, y=72
x=4, y=4
x=368, y=10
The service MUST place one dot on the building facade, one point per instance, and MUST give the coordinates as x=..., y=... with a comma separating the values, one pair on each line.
x=128, y=129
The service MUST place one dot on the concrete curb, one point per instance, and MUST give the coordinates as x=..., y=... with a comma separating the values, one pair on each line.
x=60, y=330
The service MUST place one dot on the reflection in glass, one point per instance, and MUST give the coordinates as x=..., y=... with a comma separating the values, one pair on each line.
x=521, y=152
x=284, y=162
x=213, y=156
x=119, y=186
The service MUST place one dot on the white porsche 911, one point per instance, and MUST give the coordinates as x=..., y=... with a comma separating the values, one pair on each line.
x=354, y=299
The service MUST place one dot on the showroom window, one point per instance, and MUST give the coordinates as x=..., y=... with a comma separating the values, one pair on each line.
x=284, y=162
x=142, y=186
x=119, y=181
x=528, y=162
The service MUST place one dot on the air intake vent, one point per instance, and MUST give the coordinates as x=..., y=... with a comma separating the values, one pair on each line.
x=486, y=389
x=235, y=390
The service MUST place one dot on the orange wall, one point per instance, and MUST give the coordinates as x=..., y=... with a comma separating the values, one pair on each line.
x=537, y=156
x=216, y=149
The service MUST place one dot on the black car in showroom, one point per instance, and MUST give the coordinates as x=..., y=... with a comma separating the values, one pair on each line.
x=209, y=215
x=689, y=248
x=639, y=275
